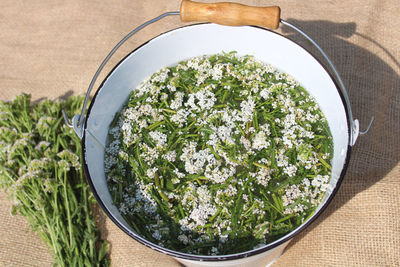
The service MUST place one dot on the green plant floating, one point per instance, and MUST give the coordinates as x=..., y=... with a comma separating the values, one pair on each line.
x=218, y=155
x=40, y=168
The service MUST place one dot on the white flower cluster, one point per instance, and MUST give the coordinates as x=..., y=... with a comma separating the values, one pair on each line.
x=70, y=157
x=201, y=211
x=304, y=191
x=205, y=136
x=45, y=122
x=159, y=138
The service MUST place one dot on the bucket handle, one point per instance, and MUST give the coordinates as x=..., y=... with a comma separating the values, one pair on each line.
x=231, y=14
x=79, y=120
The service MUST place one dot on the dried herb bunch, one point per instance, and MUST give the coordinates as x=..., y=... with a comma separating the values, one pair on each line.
x=40, y=168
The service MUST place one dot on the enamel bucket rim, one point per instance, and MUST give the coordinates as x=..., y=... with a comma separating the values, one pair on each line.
x=235, y=256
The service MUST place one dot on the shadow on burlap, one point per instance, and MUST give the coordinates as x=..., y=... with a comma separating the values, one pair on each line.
x=374, y=90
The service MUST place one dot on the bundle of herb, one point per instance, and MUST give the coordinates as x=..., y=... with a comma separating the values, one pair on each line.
x=218, y=155
x=40, y=168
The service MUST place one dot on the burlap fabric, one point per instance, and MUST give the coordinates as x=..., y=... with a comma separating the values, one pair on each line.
x=52, y=49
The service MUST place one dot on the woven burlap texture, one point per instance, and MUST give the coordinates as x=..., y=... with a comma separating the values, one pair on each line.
x=52, y=49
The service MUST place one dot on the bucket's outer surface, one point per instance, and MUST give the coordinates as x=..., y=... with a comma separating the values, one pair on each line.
x=205, y=39
x=263, y=259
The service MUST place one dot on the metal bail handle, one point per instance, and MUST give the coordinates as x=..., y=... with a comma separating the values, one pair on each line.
x=231, y=14
x=79, y=120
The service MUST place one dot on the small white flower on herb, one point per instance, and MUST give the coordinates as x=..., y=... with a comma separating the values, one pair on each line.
x=177, y=101
x=214, y=251
x=260, y=141
x=290, y=170
x=45, y=122
x=179, y=174
x=230, y=190
x=180, y=117
x=164, y=97
x=247, y=109
x=224, y=133
x=281, y=159
x=206, y=99
x=223, y=238
x=218, y=175
x=320, y=182
x=170, y=156
x=151, y=172
x=157, y=235
x=159, y=138
x=161, y=76
x=64, y=165
x=264, y=93
x=175, y=180
x=245, y=142
x=71, y=157
x=149, y=154
x=123, y=155
x=244, y=92
x=216, y=72
x=42, y=145
x=263, y=176
x=27, y=176
x=200, y=214
x=171, y=88
x=184, y=239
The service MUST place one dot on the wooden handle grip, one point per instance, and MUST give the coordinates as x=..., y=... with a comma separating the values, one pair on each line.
x=232, y=14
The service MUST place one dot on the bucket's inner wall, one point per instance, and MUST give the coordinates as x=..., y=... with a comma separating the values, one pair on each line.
x=184, y=43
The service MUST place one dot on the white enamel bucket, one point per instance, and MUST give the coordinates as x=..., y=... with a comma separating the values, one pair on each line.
x=204, y=39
